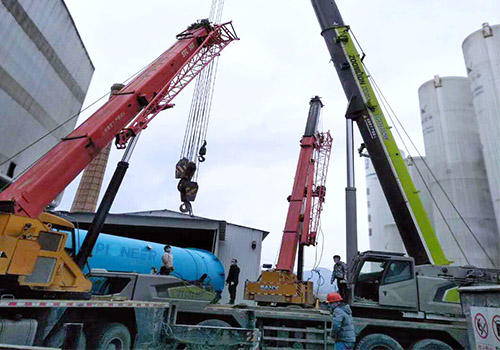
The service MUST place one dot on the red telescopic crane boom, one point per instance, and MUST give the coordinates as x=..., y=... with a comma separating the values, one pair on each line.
x=281, y=285
x=308, y=191
x=32, y=242
x=148, y=94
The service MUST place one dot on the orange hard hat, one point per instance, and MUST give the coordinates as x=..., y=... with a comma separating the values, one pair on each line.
x=333, y=297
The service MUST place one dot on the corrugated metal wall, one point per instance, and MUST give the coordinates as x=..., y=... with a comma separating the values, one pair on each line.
x=238, y=244
x=45, y=72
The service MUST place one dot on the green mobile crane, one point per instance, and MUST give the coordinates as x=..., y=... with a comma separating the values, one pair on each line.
x=391, y=294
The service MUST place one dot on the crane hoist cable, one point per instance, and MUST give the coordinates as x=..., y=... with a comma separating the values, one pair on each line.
x=390, y=113
x=194, y=145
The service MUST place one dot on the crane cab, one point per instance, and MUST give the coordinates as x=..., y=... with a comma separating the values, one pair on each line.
x=383, y=279
x=392, y=281
x=33, y=256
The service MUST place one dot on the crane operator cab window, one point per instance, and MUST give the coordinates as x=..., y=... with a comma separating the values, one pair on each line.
x=368, y=280
x=70, y=246
x=373, y=274
x=398, y=271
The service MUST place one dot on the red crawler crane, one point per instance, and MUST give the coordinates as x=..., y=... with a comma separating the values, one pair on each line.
x=281, y=285
x=32, y=250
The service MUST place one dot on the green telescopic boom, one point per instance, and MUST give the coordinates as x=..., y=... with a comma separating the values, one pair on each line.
x=412, y=221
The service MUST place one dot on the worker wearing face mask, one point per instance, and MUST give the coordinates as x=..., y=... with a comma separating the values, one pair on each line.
x=232, y=279
x=167, y=261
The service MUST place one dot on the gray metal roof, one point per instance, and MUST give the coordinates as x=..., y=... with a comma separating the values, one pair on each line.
x=166, y=213
x=157, y=218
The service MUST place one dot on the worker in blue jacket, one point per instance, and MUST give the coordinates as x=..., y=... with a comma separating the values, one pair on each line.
x=342, y=330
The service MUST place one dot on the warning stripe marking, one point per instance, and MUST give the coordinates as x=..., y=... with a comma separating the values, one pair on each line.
x=85, y=304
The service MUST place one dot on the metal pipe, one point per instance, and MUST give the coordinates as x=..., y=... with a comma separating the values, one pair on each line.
x=130, y=148
x=106, y=203
x=350, y=152
x=300, y=262
x=350, y=197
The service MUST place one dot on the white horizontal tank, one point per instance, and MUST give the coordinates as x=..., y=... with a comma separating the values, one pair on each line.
x=481, y=52
x=453, y=151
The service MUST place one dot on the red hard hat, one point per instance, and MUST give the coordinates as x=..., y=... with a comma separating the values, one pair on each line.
x=333, y=297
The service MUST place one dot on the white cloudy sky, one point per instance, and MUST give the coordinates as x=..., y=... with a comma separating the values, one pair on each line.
x=262, y=94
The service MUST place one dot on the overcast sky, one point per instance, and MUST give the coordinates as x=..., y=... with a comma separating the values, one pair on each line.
x=261, y=100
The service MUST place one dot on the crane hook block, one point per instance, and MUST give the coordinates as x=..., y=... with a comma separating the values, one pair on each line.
x=202, y=152
x=188, y=190
x=186, y=208
x=185, y=169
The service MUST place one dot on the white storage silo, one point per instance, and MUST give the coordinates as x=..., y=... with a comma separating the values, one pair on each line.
x=481, y=52
x=382, y=230
x=453, y=152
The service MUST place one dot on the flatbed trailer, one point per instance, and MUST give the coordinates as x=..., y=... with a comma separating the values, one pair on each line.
x=123, y=324
x=302, y=328
x=279, y=327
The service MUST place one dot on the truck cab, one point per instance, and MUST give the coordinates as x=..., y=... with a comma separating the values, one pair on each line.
x=392, y=281
x=383, y=279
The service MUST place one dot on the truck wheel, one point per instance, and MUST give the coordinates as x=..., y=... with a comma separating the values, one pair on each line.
x=57, y=340
x=214, y=323
x=109, y=336
x=430, y=344
x=378, y=341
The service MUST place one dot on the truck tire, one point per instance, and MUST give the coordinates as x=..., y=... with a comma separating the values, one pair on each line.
x=109, y=336
x=57, y=340
x=430, y=344
x=378, y=341
x=214, y=323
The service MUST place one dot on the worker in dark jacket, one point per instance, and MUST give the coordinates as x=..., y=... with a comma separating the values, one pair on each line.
x=232, y=279
x=342, y=330
x=340, y=274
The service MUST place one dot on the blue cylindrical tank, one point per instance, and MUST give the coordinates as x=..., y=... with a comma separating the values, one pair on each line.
x=123, y=254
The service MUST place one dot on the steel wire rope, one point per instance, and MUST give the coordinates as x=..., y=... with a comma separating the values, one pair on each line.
x=321, y=279
x=201, y=103
x=204, y=112
x=386, y=106
x=199, y=114
x=450, y=201
x=61, y=125
x=383, y=104
x=196, y=116
x=209, y=102
x=390, y=112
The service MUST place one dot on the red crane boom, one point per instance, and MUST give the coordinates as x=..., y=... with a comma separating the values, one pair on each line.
x=149, y=93
x=308, y=194
x=32, y=244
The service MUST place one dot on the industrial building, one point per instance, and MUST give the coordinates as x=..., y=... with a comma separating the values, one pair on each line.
x=45, y=72
x=223, y=239
x=458, y=179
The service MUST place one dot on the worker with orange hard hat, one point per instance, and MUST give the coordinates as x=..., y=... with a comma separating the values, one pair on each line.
x=342, y=330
